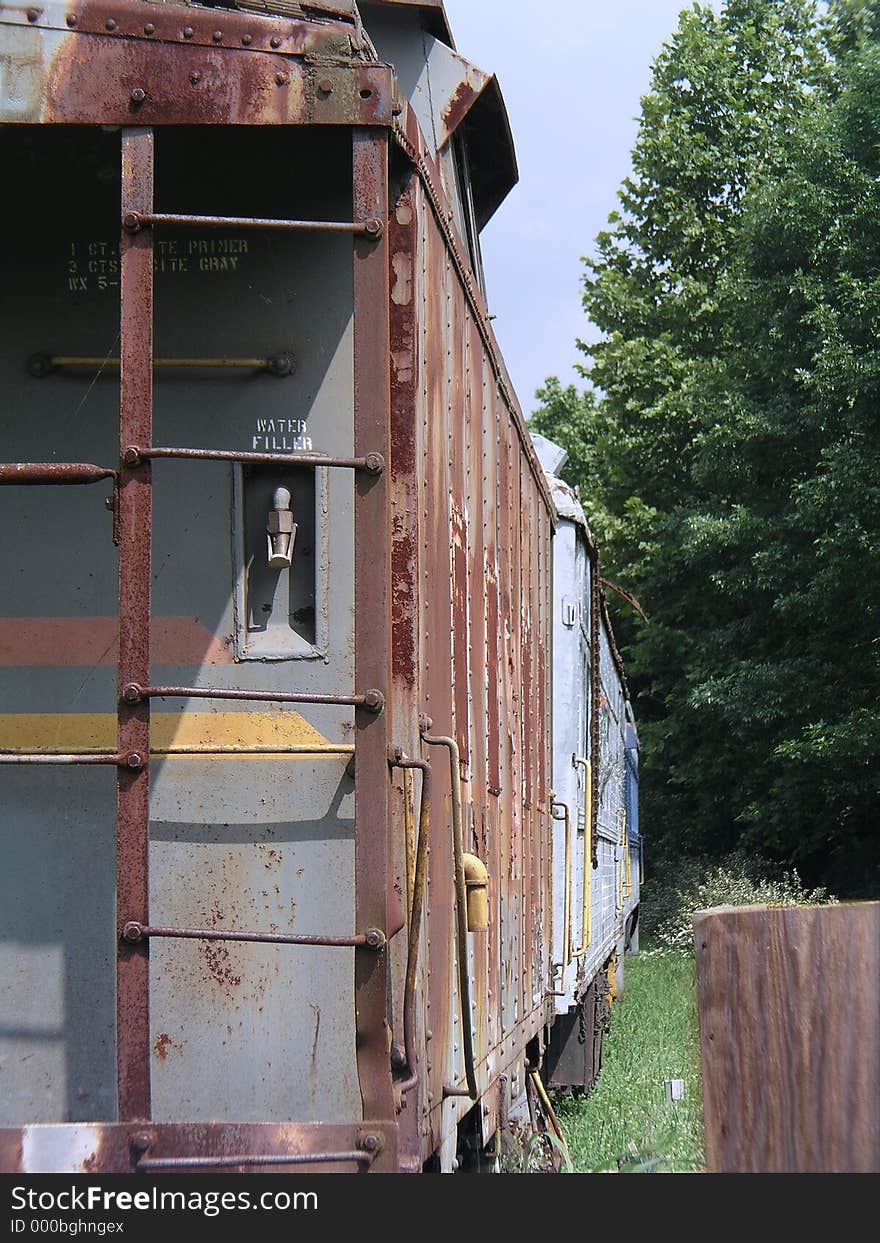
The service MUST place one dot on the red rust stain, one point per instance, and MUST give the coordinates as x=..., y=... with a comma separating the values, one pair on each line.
x=403, y=603
x=459, y=106
x=162, y=1045
x=218, y=960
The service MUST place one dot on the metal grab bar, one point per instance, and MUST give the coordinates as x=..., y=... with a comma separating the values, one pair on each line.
x=464, y=982
x=146, y=1164
x=133, y=932
x=32, y=473
x=420, y=874
x=134, y=455
x=566, y=895
x=68, y=757
x=134, y=693
x=625, y=863
x=134, y=221
x=281, y=365
x=587, y=905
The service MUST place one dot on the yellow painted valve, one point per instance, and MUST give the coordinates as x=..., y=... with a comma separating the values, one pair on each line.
x=476, y=879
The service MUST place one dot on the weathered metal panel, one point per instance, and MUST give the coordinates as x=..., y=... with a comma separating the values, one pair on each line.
x=96, y=62
x=235, y=842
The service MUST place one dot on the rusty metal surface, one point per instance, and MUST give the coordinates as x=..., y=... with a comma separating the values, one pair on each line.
x=372, y=639
x=96, y=62
x=53, y=473
x=123, y=1149
x=450, y=615
x=135, y=527
x=472, y=591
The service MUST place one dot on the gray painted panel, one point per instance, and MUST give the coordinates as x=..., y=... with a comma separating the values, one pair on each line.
x=244, y=1032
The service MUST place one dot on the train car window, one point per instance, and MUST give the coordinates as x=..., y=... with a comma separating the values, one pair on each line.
x=471, y=232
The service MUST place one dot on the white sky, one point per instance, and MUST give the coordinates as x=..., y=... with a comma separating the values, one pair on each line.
x=572, y=73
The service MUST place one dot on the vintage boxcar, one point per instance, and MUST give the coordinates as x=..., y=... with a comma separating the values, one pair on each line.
x=275, y=730
x=596, y=843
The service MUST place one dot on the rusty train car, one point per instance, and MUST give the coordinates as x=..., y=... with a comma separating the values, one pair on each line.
x=277, y=636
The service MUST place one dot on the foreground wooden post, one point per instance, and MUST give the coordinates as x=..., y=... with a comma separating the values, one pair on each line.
x=790, y=1037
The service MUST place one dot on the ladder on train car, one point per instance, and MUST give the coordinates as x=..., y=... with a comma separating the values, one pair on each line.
x=372, y=1141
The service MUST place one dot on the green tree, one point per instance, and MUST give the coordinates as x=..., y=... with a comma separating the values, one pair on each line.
x=731, y=471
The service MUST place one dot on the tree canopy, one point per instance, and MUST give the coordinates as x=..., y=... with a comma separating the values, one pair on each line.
x=727, y=448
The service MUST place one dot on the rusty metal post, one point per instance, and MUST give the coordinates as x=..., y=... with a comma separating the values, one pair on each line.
x=372, y=620
x=135, y=520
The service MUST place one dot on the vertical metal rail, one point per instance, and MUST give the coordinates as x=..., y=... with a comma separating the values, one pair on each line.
x=372, y=616
x=134, y=526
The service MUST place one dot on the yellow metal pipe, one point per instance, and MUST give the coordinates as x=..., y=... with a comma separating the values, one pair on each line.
x=409, y=826
x=587, y=908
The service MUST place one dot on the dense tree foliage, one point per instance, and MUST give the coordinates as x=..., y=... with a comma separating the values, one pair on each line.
x=729, y=457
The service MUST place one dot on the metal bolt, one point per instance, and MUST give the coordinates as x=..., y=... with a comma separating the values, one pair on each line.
x=71, y=19
x=370, y=1143
x=374, y=463
x=187, y=32
x=398, y=1057
x=110, y=24
x=282, y=364
x=131, y=455
x=132, y=932
x=280, y=79
x=374, y=701
x=217, y=36
x=373, y=228
x=131, y=693
x=131, y=222
x=429, y=1035
x=138, y=95
x=134, y=760
x=325, y=86
x=275, y=41
x=396, y=108
x=33, y=15
x=375, y=938
x=149, y=29
x=141, y=1142
x=247, y=40
x=195, y=77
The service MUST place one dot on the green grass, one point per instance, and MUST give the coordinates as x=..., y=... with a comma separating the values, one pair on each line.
x=626, y=1122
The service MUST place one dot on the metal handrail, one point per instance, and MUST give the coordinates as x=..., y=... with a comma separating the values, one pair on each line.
x=420, y=875
x=586, y=909
x=464, y=981
x=566, y=897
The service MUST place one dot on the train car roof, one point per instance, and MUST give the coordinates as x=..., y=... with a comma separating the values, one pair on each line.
x=459, y=98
